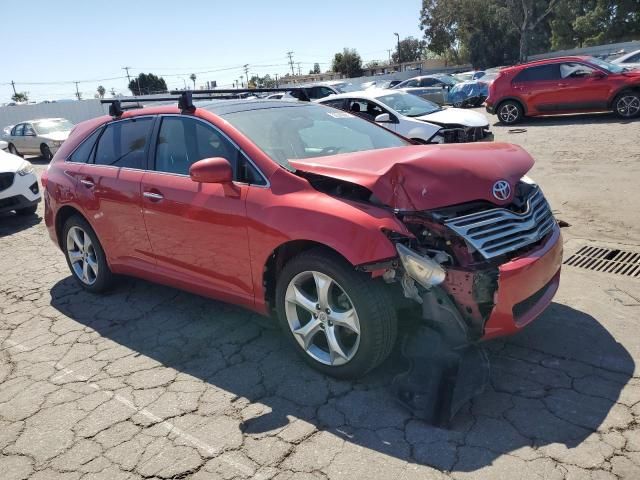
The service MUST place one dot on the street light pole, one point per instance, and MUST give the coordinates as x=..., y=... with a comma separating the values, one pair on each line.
x=397, y=35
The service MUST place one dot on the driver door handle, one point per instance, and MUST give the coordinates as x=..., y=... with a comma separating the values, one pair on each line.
x=87, y=183
x=156, y=197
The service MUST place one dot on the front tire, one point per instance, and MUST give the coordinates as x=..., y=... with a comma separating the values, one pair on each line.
x=340, y=321
x=510, y=112
x=627, y=104
x=85, y=256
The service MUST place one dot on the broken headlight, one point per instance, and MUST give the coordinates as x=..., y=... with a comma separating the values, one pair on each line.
x=424, y=270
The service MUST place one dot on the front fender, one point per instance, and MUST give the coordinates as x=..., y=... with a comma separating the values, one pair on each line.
x=354, y=230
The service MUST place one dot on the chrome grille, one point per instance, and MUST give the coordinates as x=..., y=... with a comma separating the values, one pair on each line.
x=498, y=231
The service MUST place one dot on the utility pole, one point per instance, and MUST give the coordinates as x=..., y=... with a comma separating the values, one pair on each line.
x=128, y=76
x=246, y=73
x=13, y=84
x=298, y=68
x=389, y=50
x=290, y=54
x=399, y=59
x=276, y=75
x=77, y=91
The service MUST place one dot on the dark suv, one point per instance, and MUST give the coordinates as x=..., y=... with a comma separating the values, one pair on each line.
x=564, y=85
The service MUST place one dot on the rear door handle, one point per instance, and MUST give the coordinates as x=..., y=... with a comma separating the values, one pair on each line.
x=156, y=197
x=563, y=84
x=87, y=183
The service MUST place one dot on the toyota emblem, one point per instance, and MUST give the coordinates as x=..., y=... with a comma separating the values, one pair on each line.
x=501, y=190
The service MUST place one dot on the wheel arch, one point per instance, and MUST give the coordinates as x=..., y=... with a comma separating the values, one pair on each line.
x=279, y=258
x=626, y=88
x=63, y=214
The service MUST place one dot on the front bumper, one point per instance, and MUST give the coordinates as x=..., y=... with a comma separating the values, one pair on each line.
x=23, y=192
x=526, y=286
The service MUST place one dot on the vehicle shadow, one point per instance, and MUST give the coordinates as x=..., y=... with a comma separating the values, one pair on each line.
x=556, y=383
x=572, y=119
x=11, y=223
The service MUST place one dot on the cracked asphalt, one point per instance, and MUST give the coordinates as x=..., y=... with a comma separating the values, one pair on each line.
x=151, y=382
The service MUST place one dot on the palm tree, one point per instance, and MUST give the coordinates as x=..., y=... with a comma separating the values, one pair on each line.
x=193, y=79
x=101, y=91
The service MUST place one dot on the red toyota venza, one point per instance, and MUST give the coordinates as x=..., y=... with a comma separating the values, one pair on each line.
x=564, y=85
x=310, y=214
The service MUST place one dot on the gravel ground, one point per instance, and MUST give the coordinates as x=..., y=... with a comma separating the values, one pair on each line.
x=150, y=382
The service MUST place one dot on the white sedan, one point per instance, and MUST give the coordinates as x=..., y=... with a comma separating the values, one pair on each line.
x=413, y=117
x=19, y=190
x=629, y=60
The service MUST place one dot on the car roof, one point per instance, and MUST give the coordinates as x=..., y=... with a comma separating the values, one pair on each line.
x=35, y=120
x=544, y=61
x=218, y=107
x=371, y=93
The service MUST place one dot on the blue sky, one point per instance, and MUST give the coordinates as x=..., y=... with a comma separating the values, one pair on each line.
x=62, y=41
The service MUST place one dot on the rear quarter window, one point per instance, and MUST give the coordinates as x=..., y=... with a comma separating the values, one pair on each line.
x=83, y=153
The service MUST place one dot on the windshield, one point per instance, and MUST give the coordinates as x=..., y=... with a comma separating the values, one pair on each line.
x=287, y=133
x=408, y=104
x=608, y=66
x=49, y=126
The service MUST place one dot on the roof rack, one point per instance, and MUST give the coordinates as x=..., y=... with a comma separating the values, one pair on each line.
x=185, y=98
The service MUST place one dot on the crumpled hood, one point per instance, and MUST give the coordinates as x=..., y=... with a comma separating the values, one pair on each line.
x=424, y=177
x=456, y=116
x=9, y=162
x=57, y=136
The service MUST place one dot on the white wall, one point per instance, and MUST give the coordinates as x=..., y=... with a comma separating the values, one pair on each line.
x=76, y=111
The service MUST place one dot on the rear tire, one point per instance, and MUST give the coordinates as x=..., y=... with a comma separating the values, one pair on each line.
x=85, y=256
x=46, y=152
x=627, y=104
x=510, y=112
x=354, y=304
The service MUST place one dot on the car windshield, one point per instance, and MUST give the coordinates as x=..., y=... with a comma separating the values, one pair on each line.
x=608, y=66
x=45, y=127
x=288, y=133
x=408, y=104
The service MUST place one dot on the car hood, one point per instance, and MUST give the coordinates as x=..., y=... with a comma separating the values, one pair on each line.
x=57, y=136
x=9, y=162
x=427, y=177
x=456, y=116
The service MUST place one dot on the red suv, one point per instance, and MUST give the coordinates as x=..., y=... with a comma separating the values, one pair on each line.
x=309, y=213
x=564, y=85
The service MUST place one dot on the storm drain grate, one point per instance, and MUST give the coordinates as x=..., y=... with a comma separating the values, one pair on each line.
x=606, y=260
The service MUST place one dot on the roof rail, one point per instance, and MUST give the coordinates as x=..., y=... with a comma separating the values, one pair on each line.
x=186, y=98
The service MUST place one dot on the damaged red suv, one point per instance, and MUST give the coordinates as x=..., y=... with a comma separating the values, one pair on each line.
x=311, y=214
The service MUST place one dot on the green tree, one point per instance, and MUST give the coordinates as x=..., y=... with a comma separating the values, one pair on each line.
x=316, y=68
x=147, y=83
x=20, y=97
x=257, y=81
x=193, y=79
x=347, y=62
x=409, y=50
x=101, y=91
x=526, y=16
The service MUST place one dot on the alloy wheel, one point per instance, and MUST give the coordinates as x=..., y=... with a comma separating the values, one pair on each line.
x=322, y=318
x=82, y=255
x=628, y=105
x=509, y=113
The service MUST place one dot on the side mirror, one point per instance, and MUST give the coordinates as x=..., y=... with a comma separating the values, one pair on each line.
x=383, y=118
x=211, y=170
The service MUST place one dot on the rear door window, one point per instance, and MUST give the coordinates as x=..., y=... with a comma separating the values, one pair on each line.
x=84, y=153
x=335, y=103
x=124, y=143
x=18, y=131
x=539, y=73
